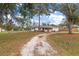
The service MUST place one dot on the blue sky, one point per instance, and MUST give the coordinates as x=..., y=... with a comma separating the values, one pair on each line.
x=54, y=18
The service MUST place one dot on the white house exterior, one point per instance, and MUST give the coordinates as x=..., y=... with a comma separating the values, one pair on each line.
x=56, y=29
x=46, y=28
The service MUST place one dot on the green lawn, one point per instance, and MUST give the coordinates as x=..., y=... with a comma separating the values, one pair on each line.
x=11, y=43
x=65, y=44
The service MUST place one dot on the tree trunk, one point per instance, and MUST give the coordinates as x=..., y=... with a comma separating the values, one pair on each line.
x=39, y=23
x=69, y=28
x=6, y=22
x=30, y=16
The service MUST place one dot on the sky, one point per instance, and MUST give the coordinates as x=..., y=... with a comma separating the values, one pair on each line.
x=55, y=18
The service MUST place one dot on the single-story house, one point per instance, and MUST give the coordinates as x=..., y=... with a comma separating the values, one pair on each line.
x=45, y=28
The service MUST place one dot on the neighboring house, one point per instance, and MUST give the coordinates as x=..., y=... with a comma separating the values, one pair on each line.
x=75, y=28
x=2, y=30
x=45, y=28
x=63, y=28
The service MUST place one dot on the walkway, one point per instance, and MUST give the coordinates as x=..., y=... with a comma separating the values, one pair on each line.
x=38, y=46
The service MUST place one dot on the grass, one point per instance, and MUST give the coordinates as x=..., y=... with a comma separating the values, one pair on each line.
x=11, y=43
x=65, y=44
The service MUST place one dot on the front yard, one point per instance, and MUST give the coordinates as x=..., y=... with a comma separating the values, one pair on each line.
x=11, y=43
x=66, y=44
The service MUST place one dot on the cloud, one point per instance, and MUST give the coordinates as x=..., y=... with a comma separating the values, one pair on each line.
x=9, y=16
x=55, y=19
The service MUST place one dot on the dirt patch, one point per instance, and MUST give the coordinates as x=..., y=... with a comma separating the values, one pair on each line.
x=38, y=46
x=71, y=35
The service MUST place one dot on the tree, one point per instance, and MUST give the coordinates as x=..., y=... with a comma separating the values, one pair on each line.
x=27, y=12
x=9, y=25
x=69, y=10
x=5, y=9
x=40, y=9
